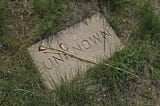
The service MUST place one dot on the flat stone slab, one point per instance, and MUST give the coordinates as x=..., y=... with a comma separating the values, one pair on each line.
x=74, y=49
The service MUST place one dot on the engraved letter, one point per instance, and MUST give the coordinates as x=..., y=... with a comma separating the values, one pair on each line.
x=77, y=48
x=95, y=38
x=60, y=59
x=86, y=44
x=106, y=32
x=46, y=64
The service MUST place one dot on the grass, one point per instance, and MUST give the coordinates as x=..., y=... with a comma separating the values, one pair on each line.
x=55, y=15
x=4, y=18
x=50, y=13
x=73, y=92
x=149, y=23
x=155, y=72
x=21, y=84
x=121, y=16
x=112, y=5
x=133, y=58
x=82, y=91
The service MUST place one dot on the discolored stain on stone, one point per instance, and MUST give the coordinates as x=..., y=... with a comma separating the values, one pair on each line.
x=74, y=49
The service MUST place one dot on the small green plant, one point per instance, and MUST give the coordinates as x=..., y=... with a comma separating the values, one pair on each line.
x=4, y=16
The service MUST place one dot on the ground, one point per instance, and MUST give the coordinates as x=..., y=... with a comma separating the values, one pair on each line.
x=136, y=22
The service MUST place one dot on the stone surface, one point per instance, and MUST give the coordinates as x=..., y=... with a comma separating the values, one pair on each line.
x=90, y=40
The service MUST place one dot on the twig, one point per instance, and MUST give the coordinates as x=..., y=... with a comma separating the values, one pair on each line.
x=72, y=55
x=89, y=61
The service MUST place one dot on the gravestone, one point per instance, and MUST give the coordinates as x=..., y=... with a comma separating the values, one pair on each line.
x=74, y=49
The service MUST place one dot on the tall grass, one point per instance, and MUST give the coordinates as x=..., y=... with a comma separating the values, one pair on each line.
x=73, y=92
x=132, y=59
x=148, y=26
